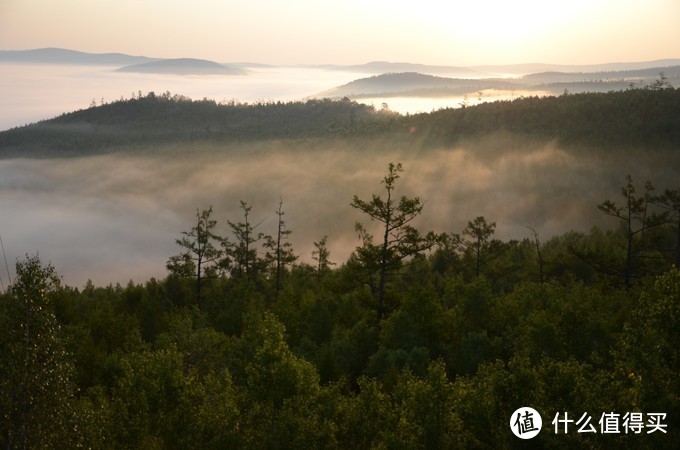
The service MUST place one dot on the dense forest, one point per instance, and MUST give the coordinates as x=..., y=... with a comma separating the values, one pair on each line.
x=420, y=339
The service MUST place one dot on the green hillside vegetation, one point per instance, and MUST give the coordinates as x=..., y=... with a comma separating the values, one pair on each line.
x=636, y=117
x=152, y=120
x=632, y=118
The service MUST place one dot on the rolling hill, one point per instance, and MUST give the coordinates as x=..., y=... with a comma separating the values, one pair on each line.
x=414, y=84
x=424, y=85
x=183, y=66
x=64, y=56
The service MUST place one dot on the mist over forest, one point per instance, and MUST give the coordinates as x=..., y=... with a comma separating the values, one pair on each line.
x=115, y=218
x=325, y=273
x=150, y=162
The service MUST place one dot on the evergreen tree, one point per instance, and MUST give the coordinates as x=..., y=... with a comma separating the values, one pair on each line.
x=243, y=258
x=283, y=254
x=321, y=255
x=399, y=239
x=477, y=242
x=636, y=219
x=202, y=256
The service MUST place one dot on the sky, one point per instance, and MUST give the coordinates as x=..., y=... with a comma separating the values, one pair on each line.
x=452, y=32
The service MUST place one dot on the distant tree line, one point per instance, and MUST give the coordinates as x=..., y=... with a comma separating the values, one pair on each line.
x=153, y=119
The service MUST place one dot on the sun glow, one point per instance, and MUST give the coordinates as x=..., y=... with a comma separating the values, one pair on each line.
x=508, y=22
x=456, y=32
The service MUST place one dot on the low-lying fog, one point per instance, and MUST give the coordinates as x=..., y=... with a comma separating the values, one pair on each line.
x=33, y=92
x=114, y=218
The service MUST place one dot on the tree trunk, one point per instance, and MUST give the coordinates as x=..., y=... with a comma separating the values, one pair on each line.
x=629, y=249
x=383, y=259
x=677, y=245
x=278, y=256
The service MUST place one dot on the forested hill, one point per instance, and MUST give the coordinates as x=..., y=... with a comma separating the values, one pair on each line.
x=636, y=117
x=632, y=118
x=153, y=119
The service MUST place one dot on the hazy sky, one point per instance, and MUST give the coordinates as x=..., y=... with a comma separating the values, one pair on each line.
x=352, y=31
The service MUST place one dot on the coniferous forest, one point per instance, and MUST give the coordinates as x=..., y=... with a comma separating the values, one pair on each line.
x=422, y=338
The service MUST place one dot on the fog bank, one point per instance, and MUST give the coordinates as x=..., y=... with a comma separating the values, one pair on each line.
x=114, y=218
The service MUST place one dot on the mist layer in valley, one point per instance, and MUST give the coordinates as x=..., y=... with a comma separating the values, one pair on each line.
x=34, y=92
x=114, y=218
x=40, y=84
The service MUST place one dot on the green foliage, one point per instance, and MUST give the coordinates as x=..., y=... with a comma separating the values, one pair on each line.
x=445, y=370
x=366, y=419
x=649, y=354
x=282, y=254
x=477, y=242
x=37, y=390
x=202, y=256
x=275, y=374
x=242, y=256
x=321, y=255
x=427, y=411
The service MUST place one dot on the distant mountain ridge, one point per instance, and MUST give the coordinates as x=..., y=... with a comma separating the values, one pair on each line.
x=183, y=66
x=127, y=63
x=424, y=85
x=496, y=71
x=651, y=72
x=64, y=56
x=525, y=69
